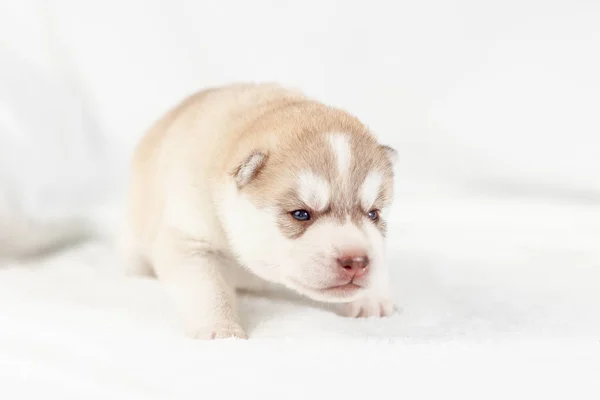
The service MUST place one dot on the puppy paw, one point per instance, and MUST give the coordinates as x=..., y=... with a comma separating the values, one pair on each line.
x=218, y=331
x=370, y=306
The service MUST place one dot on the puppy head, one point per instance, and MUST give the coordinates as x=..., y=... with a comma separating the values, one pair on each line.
x=310, y=213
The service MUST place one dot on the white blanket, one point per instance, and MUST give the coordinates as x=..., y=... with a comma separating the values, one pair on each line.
x=499, y=300
x=493, y=107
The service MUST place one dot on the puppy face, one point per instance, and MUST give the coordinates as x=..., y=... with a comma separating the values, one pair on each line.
x=312, y=214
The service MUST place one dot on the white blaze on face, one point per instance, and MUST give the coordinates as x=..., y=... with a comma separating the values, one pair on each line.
x=348, y=237
x=340, y=146
x=313, y=190
x=370, y=189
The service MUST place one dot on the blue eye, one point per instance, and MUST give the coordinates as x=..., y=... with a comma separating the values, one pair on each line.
x=301, y=215
x=374, y=215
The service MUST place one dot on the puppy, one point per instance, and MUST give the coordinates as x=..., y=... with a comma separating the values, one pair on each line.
x=248, y=184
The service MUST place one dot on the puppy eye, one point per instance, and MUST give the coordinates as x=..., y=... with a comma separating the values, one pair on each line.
x=373, y=215
x=301, y=215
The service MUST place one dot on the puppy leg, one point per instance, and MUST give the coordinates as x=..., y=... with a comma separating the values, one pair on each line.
x=377, y=302
x=199, y=292
x=373, y=304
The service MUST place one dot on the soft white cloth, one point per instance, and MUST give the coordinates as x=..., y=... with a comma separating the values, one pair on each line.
x=495, y=239
x=500, y=299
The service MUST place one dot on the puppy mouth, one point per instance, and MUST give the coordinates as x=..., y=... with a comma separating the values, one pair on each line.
x=349, y=286
x=347, y=290
x=340, y=292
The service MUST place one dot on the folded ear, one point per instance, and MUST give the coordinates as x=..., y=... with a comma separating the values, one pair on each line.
x=391, y=154
x=248, y=169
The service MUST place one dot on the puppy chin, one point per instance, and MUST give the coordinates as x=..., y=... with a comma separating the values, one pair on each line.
x=341, y=294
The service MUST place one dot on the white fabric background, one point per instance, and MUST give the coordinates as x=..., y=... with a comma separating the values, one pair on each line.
x=496, y=95
x=495, y=238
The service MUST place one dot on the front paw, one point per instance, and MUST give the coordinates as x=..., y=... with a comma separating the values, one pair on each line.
x=218, y=331
x=370, y=306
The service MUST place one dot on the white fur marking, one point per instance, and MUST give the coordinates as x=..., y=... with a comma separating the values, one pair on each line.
x=341, y=148
x=370, y=189
x=313, y=190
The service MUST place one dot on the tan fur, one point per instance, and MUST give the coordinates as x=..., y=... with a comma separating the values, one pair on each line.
x=197, y=137
x=299, y=143
x=187, y=160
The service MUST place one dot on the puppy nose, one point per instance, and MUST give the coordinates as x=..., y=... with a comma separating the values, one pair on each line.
x=354, y=265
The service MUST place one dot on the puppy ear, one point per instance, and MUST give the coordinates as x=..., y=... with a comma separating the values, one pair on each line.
x=391, y=154
x=248, y=169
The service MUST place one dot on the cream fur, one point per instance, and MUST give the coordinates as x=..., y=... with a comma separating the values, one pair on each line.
x=199, y=222
x=314, y=190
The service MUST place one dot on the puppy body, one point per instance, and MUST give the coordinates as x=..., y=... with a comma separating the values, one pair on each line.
x=247, y=184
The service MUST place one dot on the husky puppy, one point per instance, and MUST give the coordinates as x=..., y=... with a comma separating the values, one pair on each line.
x=254, y=183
